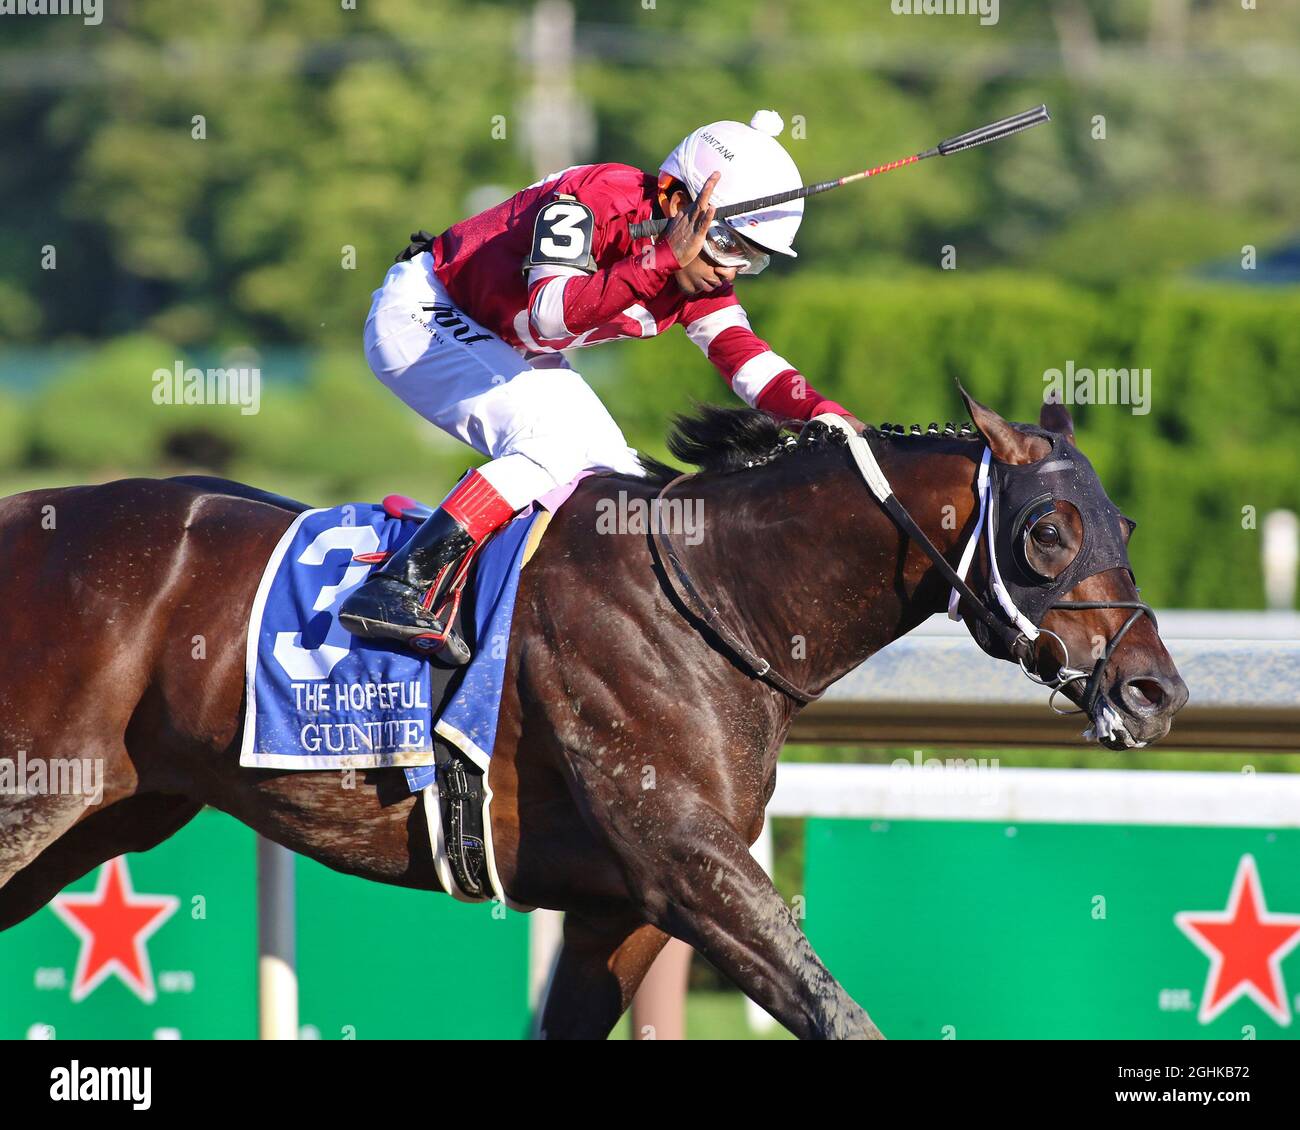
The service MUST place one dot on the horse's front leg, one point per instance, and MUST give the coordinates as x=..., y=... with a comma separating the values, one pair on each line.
x=694, y=878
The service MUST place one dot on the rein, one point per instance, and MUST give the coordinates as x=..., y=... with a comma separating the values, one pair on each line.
x=1018, y=635
x=688, y=592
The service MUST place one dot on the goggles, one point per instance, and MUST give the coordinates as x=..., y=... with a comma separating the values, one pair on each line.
x=726, y=247
x=723, y=245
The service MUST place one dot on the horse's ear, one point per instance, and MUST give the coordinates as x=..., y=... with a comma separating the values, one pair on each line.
x=1007, y=442
x=1055, y=416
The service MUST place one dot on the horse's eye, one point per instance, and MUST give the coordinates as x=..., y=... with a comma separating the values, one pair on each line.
x=1047, y=535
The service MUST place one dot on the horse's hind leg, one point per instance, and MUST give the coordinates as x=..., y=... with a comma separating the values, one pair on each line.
x=601, y=964
x=134, y=823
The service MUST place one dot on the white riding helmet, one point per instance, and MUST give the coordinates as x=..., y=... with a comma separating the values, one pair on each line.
x=753, y=164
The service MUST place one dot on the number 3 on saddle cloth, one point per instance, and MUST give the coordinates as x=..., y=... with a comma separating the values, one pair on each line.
x=318, y=697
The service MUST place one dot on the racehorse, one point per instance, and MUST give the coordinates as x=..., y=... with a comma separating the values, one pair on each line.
x=637, y=744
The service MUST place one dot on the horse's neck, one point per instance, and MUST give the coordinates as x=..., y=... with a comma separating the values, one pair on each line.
x=813, y=567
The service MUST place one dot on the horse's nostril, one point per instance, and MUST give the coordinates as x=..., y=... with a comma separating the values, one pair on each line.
x=1145, y=695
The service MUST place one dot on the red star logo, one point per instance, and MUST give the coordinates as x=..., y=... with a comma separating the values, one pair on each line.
x=113, y=923
x=1245, y=945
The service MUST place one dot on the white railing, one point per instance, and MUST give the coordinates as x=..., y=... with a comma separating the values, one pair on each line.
x=936, y=687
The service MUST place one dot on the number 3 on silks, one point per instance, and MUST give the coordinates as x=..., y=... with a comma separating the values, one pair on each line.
x=562, y=235
x=302, y=663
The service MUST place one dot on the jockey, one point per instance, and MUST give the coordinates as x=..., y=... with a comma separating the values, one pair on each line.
x=469, y=328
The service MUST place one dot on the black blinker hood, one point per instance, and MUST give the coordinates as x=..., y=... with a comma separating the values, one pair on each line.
x=1064, y=474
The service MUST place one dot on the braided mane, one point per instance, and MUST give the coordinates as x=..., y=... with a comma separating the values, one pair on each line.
x=719, y=439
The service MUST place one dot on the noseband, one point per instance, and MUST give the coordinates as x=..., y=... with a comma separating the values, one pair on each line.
x=1065, y=674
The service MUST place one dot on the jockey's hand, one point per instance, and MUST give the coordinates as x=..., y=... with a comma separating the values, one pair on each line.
x=856, y=424
x=421, y=241
x=686, y=231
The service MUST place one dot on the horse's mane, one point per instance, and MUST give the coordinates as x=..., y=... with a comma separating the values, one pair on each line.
x=732, y=439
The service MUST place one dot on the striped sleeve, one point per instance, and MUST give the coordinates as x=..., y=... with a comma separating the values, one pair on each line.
x=564, y=303
x=761, y=377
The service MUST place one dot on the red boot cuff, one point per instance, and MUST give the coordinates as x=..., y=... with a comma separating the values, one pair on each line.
x=477, y=506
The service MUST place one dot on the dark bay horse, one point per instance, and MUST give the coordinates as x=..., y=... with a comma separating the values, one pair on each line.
x=634, y=755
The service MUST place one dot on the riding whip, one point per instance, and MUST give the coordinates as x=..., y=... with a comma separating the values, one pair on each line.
x=1004, y=127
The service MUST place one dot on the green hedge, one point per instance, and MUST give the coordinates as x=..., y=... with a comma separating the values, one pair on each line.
x=1221, y=435
x=98, y=415
x=14, y=425
x=339, y=429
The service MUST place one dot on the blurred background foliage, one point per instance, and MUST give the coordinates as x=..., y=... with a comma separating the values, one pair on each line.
x=331, y=133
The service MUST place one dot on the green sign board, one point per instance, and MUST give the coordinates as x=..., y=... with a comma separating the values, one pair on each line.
x=158, y=945
x=164, y=945
x=1045, y=931
x=377, y=962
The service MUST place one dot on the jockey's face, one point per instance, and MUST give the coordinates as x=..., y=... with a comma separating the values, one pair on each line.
x=699, y=276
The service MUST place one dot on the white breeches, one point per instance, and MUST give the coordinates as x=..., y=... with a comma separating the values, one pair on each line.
x=540, y=426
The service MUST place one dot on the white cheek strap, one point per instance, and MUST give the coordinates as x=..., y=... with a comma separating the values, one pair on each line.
x=875, y=479
x=983, y=486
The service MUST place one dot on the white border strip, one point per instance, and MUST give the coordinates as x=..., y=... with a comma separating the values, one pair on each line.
x=1055, y=796
x=247, y=755
x=462, y=742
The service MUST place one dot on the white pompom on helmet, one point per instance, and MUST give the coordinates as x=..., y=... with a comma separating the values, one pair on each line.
x=753, y=164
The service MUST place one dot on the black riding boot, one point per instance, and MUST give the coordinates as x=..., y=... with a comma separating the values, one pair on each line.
x=391, y=604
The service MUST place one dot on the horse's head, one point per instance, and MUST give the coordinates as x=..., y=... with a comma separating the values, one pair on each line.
x=1056, y=563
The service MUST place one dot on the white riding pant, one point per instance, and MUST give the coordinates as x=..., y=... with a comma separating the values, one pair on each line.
x=540, y=426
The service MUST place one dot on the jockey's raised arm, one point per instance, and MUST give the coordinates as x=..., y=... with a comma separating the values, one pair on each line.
x=471, y=334
x=756, y=373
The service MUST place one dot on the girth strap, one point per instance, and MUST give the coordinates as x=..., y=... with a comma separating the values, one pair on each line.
x=460, y=795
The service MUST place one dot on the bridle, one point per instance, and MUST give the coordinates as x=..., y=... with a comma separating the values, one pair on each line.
x=999, y=626
x=1024, y=646
x=1065, y=674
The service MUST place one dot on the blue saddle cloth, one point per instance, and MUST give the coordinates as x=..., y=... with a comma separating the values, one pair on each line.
x=320, y=698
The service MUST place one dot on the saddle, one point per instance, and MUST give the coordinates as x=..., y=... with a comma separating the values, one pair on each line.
x=316, y=699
